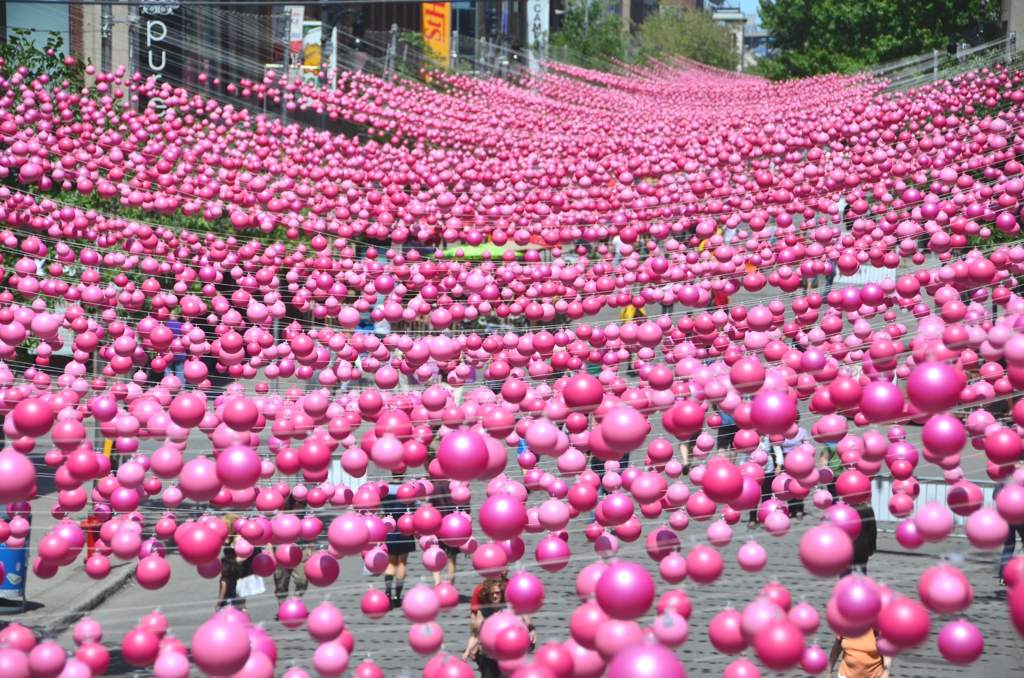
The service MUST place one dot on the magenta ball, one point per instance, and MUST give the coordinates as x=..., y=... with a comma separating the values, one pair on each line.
x=725, y=632
x=704, y=564
x=960, y=642
x=779, y=645
x=773, y=412
x=220, y=648
x=525, y=593
x=625, y=590
x=826, y=551
x=463, y=455
x=502, y=517
x=646, y=660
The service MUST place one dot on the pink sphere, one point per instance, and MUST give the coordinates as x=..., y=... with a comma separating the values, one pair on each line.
x=779, y=645
x=330, y=659
x=325, y=622
x=220, y=648
x=425, y=639
x=960, y=642
x=47, y=660
x=625, y=590
x=525, y=593
x=646, y=660
x=463, y=455
x=752, y=557
x=826, y=551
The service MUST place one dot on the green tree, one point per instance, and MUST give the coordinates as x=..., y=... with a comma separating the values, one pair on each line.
x=591, y=34
x=691, y=34
x=823, y=36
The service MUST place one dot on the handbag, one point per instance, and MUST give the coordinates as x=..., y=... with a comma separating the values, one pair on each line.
x=250, y=586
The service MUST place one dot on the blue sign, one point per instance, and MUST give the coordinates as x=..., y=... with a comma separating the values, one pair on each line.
x=15, y=562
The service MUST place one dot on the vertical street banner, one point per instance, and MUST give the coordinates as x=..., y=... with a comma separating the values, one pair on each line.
x=437, y=30
x=537, y=14
x=160, y=43
x=297, y=15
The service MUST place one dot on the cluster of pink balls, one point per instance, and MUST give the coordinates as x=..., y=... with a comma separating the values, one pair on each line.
x=635, y=209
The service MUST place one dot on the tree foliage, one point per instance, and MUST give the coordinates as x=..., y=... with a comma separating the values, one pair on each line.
x=590, y=37
x=823, y=36
x=590, y=34
x=694, y=35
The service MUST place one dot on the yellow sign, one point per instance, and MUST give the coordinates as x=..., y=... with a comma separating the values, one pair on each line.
x=437, y=30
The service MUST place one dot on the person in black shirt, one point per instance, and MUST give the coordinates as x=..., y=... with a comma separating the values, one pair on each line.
x=442, y=500
x=867, y=541
x=399, y=547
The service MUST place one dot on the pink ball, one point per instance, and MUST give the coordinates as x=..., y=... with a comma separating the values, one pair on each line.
x=93, y=655
x=325, y=622
x=779, y=645
x=585, y=663
x=584, y=623
x=814, y=660
x=525, y=593
x=220, y=648
x=238, y=467
x=552, y=554
x=17, y=476
x=14, y=663
x=704, y=564
x=322, y=569
x=907, y=534
x=348, y=534
x=904, y=623
x=614, y=635
x=463, y=455
x=934, y=522
x=87, y=630
x=772, y=413
x=624, y=429
x=420, y=604
x=670, y=629
x=646, y=660
x=741, y=668
x=447, y=596
x=171, y=665
x=625, y=590
x=986, y=529
x=826, y=551
x=804, y=617
x=587, y=579
x=330, y=659
x=374, y=604
x=502, y=517
x=725, y=632
x=292, y=613
x=672, y=568
x=960, y=642
x=140, y=647
x=426, y=639
x=47, y=660
x=752, y=557
x=152, y=573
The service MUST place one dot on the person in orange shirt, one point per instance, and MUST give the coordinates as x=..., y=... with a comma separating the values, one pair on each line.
x=861, y=658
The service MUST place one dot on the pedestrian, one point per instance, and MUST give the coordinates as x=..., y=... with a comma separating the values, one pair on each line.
x=861, y=658
x=1010, y=546
x=727, y=430
x=284, y=576
x=489, y=598
x=796, y=506
x=867, y=541
x=178, y=365
x=442, y=500
x=769, y=475
x=399, y=547
x=233, y=568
